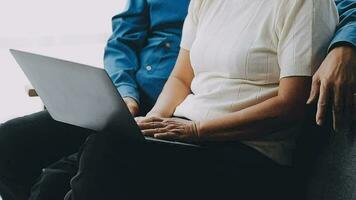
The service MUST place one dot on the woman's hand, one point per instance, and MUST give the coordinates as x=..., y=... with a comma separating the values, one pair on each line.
x=168, y=128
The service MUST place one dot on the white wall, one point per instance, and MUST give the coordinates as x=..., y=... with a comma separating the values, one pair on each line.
x=74, y=30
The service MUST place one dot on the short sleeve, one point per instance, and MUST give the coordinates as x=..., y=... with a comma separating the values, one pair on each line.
x=304, y=29
x=190, y=25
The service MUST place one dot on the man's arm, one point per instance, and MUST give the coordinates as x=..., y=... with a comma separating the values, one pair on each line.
x=335, y=80
x=121, y=53
x=346, y=30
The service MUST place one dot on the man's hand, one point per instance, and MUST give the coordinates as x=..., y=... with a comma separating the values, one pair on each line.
x=132, y=105
x=334, y=83
x=168, y=128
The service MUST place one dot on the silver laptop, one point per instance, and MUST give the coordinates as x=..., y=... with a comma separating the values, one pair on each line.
x=80, y=95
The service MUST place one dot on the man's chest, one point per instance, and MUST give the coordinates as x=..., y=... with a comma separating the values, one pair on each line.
x=167, y=11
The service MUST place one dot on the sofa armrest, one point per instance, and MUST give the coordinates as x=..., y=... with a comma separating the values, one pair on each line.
x=30, y=91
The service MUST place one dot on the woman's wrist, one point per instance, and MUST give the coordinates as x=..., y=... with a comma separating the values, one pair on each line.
x=157, y=113
x=207, y=128
x=153, y=114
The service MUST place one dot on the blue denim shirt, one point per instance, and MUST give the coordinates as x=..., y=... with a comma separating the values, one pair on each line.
x=143, y=48
x=346, y=30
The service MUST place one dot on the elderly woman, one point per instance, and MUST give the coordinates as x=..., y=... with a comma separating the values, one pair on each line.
x=238, y=89
x=243, y=73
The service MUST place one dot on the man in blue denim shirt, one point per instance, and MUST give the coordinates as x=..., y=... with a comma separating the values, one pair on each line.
x=143, y=48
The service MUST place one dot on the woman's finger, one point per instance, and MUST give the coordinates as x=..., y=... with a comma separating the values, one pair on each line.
x=166, y=136
x=150, y=125
x=151, y=132
x=322, y=102
x=151, y=119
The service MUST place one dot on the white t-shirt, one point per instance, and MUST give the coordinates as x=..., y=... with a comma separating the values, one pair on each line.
x=240, y=49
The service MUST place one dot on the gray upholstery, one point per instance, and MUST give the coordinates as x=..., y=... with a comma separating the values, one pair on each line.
x=334, y=173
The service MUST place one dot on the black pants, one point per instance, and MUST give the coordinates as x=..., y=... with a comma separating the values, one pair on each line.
x=111, y=167
x=29, y=144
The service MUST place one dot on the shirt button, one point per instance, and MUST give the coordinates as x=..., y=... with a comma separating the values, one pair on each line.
x=148, y=67
x=168, y=45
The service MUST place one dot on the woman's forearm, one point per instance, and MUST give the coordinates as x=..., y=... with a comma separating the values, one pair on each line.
x=249, y=123
x=273, y=114
x=177, y=87
x=173, y=93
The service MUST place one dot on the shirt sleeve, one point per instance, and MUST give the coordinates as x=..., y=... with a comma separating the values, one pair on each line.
x=304, y=29
x=190, y=25
x=346, y=30
x=121, y=52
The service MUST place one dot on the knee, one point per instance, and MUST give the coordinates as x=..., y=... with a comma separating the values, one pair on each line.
x=8, y=146
x=52, y=184
x=10, y=143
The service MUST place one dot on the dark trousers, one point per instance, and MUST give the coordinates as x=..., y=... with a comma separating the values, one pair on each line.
x=111, y=167
x=29, y=144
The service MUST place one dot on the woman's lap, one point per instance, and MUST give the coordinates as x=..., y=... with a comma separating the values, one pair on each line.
x=111, y=169
x=30, y=143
